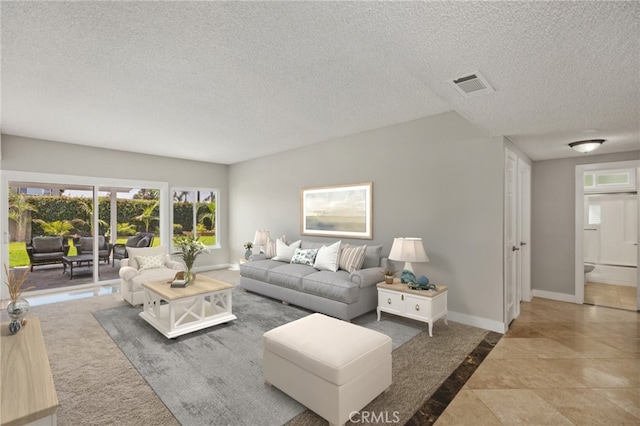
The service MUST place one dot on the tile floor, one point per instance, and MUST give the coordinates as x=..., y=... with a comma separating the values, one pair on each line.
x=559, y=363
x=613, y=296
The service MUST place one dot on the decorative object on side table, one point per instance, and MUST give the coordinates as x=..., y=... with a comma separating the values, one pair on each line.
x=190, y=248
x=388, y=275
x=261, y=239
x=408, y=249
x=248, y=245
x=17, y=307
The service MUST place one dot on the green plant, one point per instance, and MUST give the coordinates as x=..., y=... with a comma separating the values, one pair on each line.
x=177, y=229
x=126, y=228
x=209, y=215
x=87, y=209
x=248, y=245
x=148, y=215
x=57, y=228
x=190, y=248
x=19, y=205
x=388, y=272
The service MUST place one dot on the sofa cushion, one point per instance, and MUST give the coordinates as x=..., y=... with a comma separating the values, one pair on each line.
x=258, y=269
x=372, y=256
x=289, y=275
x=331, y=285
x=285, y=252
x=352, y=257
x=304, y=257
x=310, y=245
x=47, y=244
x=328, y=257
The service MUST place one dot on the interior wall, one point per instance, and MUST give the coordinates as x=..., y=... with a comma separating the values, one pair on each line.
x=41, y=156
x=553, y=220
x=438, y=178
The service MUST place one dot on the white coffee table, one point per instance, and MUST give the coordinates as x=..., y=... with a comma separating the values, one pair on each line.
x=177, y=311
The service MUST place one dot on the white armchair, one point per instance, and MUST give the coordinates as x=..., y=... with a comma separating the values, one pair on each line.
x=144, y=265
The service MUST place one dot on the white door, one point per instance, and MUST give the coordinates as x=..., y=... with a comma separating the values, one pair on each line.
x=512, y=244
x=524, y=231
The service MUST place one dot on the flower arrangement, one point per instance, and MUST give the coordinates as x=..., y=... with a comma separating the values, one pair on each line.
x=190, y=248
x=248, y=245
x=15, y=281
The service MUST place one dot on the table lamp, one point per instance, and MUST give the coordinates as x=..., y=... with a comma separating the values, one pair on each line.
x=261, y=239
x=408, y=250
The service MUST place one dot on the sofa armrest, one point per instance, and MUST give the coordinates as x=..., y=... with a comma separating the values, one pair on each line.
x=367, y=277
x=127, y=273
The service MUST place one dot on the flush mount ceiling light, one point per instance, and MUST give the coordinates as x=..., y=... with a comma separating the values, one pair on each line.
x=586, y=146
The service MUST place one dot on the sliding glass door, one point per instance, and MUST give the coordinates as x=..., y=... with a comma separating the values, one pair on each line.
x=65, y=229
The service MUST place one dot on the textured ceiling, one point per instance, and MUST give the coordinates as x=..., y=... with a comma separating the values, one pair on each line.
x=229, y=81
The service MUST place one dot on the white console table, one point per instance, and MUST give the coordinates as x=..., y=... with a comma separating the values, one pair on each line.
x=422, y=305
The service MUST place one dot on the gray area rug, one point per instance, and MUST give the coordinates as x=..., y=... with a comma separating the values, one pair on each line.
x=214, y=376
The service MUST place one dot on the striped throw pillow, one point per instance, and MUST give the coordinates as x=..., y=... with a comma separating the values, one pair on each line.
x=352, y=257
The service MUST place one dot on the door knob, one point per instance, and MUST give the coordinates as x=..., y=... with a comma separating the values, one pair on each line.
x=514, y=248
x=522, y=243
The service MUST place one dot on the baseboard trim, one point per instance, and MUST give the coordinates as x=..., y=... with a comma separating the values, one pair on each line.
x=562, y=297
x=479, y=322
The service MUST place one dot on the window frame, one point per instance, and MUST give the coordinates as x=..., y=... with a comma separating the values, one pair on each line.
x=192, y=189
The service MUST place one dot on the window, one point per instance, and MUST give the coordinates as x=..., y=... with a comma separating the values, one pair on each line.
x=610, y=180
x=195, y=211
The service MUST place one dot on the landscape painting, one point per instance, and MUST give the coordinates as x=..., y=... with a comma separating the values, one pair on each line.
x=337, y=211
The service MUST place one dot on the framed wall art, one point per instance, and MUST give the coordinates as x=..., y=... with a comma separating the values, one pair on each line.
x=337, y=211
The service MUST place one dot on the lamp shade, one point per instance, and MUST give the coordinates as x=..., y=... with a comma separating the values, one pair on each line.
x=261, y=238
x=408, y=250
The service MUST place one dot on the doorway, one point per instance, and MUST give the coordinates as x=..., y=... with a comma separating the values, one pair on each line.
x=517, y=233
x=607, y=223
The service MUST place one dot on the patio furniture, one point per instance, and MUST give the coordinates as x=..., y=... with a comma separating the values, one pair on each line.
x=47, y=250
x=81, y=263
x=142, y=239
x=85, y=246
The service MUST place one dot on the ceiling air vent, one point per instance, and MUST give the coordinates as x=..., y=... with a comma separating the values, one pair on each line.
x=472, y=85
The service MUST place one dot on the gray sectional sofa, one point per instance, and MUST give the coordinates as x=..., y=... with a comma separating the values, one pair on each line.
x=339, y=294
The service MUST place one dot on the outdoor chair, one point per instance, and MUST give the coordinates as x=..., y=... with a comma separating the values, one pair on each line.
x=47, y=250
x=141, y=240
x=85, y=246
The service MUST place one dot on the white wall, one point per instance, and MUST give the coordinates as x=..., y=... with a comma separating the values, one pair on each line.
x=553, y=220
x=40, y=156
x=438, y=178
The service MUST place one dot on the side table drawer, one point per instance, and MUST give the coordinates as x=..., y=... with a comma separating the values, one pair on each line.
x=390, y=301
x=418, y=307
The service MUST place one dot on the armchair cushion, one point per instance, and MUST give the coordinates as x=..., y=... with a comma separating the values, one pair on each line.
x=150, y=262
x=135, y=252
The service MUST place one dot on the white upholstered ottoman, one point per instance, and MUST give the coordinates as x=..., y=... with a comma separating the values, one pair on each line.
x=333, y=367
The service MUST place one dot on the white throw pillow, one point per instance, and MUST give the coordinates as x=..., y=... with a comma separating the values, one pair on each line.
x=145, y=251
x=285, y=252
x=328, y=258
x=150, y=262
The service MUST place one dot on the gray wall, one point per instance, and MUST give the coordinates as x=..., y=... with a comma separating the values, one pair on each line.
x=553, y=220
x=39, y=156
x=438, y=178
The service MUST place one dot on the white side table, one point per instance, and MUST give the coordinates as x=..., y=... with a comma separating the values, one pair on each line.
x=422, y=305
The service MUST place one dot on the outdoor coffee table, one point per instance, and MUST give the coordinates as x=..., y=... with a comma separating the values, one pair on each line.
x=76, y=262
x=177, y=311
